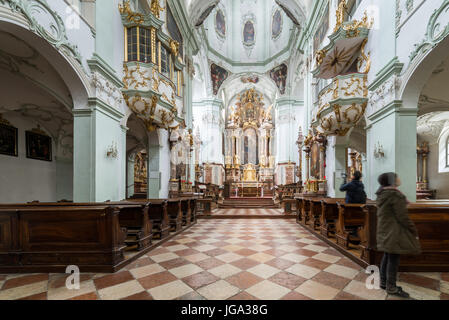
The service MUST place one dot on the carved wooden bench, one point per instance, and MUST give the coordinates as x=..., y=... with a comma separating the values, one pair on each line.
x=351, y=217
x=289, y=205
x=432, y=223
x=329, y=214
x=49, y=238
x=132, y=215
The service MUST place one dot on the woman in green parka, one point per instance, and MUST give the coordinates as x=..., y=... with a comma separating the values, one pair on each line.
x=396, y=233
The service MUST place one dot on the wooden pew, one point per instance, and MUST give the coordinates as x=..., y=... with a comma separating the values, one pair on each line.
x=432, y=223
x=204, y=205
x=298, y=209
x=329, y=214
x=350, y=217
x=305, y=210
x=186, y=211
x=174, y=214
x=138, y=224
x=315, y=211
x=48, y=239
x=158, y=214
x=288, y=204
x=193, y=209
x=132, y=216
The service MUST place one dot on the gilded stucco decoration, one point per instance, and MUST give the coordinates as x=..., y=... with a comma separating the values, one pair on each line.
x=156, y=8
x=341, y=105
x=347, y=45
x=134, y=17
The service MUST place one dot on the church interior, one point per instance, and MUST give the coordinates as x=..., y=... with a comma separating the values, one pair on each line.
x=196, y=149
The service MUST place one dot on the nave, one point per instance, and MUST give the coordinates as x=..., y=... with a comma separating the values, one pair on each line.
x=229, y=259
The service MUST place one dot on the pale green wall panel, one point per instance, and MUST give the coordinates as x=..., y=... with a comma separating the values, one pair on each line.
x=83, y=154
x=108, y=171
x=105, y=14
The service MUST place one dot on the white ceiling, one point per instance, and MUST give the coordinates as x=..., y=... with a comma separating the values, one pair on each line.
x=31, y=87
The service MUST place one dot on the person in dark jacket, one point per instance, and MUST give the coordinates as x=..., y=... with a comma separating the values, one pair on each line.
x=355, y=190
x=396, y=233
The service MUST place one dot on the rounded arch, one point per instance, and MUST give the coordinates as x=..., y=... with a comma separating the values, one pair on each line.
x=234, y=85
x=419, y=72
x=68, y=68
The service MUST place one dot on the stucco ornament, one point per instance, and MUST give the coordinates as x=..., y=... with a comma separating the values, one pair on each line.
x=46, y=23
x=106, y=90
x=437, y=30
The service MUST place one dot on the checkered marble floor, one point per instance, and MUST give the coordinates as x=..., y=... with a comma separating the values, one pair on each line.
x=230, y=259
x=249, y=212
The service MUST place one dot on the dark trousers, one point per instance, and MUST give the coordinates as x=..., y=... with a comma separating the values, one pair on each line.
x=389, y=270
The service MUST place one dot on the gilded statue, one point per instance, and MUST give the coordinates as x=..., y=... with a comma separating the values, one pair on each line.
x=267, y=114
x=156, y=8
x=320, y=55
x=140, y=168
x=174, y=47
x=308, y=139
x=135, y=17
x=341, y=10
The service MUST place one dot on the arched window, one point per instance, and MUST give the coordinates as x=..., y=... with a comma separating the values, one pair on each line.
x=447, y=152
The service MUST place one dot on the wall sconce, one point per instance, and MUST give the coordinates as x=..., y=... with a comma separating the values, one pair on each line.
x=379, y=151
x=112, y=151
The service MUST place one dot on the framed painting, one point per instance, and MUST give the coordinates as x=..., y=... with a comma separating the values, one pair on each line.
x=276, y=24
x=38, y=146
x=220, y=24
x=249, y=33
x=8, y=139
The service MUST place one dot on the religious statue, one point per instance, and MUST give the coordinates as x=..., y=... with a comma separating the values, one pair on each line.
x=174, y=47
x=156, y=8
x=320, y=55
x=140, y=168
x=342, y=8
x=267, y=114
x=236, y=160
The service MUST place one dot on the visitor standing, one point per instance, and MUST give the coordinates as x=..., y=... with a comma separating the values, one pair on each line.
x=396, y=233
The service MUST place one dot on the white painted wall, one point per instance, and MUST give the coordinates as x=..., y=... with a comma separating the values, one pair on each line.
x=23, y=179
x=437, y=180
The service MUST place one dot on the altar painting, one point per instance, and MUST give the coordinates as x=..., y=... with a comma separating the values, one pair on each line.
x=250, y=147
x=315, y=161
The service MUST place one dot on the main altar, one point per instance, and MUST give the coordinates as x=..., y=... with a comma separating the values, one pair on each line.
x=249, y=160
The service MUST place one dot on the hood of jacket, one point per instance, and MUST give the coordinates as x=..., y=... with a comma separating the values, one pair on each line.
x=386, y=194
